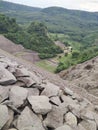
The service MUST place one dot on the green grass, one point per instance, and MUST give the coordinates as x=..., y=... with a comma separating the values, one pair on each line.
x=45, y=64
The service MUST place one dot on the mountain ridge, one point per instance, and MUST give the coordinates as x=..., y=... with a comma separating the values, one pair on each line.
x=61, y=20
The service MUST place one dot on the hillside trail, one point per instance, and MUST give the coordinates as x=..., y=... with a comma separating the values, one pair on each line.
x=53, y=78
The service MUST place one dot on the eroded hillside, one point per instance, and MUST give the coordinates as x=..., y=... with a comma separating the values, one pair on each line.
x=84, y=76
x=28, y=101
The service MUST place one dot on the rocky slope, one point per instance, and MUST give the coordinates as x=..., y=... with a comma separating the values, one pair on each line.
x=84, y=76
x=28, y=101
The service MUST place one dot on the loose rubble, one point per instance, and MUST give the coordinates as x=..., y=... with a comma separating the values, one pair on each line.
x=29, y=103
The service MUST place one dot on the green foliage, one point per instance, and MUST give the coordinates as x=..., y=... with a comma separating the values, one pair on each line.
x=75, y=54
x=40, y=41
x=35, y=37
x=78, y=29
x=8, y=25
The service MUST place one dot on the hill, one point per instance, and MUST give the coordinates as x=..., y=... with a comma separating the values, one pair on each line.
x=35, y=37
x=57, y=19
x=78, y=29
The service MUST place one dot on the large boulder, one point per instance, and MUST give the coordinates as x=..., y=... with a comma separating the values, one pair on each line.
x=40, y=104
x=3, y=93
x=4, y=116
x=89, y=125
x=33, y=91
x=21, y=72
x=6, y=78
x=18, y=95
x=50, y=90
x=29, y=121
x=54, y=118
x=28, y=81
x=70, y=119
x=8, y=123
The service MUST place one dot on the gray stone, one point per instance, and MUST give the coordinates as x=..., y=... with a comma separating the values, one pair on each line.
x=64, y=127
x=11, y=116
x=33, y=91
x=6, y=78
x=96, y=118
x=55, y=100
x=55, y=117
x=4, y=116
x=70, y=119
x=75, y=109
x=68, y=100
x=3, y=93
x=21, y=72
x=27, y=81
x=80, y=127
x=18, y=95
x=40, y=104
x=28, y=120
x=89, y=125
x=87, y=114
x=68, y=91
x=50, y=90
x=36, y=77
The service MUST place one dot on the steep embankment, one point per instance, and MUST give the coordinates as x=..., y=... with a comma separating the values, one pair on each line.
x=30, y=102
x=18, y=50
x=84, y=75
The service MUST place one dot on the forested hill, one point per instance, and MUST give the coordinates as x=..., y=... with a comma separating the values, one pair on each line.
x=8, y=6
x=57, y=19
x=34, y=37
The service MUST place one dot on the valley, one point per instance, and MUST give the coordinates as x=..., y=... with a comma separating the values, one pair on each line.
x=38, y=29
x=48, y=68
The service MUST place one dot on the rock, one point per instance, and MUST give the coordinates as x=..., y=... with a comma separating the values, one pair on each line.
x=54, y=118
x=68, y=100
x=36, y=77
x=11, y=116
x=87, y=114
x=75, y=109
x=64, y=127
x=6, y=78
x=68, y=91
x=3, y=93
x=50, y=90
x=28, y=82
x=89, y=125
x=96, y=118
x=4, y=116
x=70, y=119
x=40, y=104
x=80, y=127
x=18, y=95
x=55, y=100
x=21, y=72
x=28, y=120
x=33, y=91
x=77, y=97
